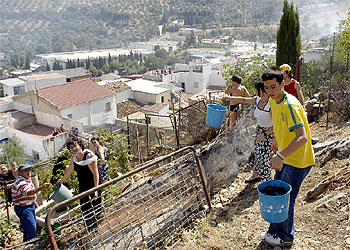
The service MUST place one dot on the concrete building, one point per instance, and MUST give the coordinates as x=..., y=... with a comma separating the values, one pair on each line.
x=37, y=81
x=12, y=86
x=146, y=91
x=197, y=76
x=79, y=104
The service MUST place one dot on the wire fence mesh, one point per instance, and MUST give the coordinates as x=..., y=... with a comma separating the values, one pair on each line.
x=144, y=209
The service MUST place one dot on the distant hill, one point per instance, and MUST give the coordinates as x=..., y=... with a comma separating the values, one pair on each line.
x=64, y=25
x=43, y=26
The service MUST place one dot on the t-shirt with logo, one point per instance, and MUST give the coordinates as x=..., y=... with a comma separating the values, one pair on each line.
x=287, y=115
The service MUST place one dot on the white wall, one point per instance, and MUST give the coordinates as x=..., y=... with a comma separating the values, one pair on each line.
x=50, y=120
x=6, y=104
x=93, y=113
x=145, y=97
x=217, y=80
x=45, y=148
x=40, y=83
x=123, y=96
x=23, y=107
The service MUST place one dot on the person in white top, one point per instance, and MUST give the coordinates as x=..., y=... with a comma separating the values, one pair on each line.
x=260, y=159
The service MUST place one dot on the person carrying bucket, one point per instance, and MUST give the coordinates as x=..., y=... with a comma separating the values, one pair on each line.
x=235, y=89
x=295, y=155
x=264, y=133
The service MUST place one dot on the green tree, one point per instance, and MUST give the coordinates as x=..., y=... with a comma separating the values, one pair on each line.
x=105, y=68
x=93, y=70
x=162, y=53
x=343, y=40
x=288, y=37
x=118, y=157
x=190, y=41
x=12, y=151
x=250, y=72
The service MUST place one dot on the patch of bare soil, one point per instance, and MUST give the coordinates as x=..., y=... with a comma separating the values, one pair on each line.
x=321, y=223
x=128, y=107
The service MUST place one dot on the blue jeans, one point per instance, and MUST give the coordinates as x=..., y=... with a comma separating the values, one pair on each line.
x=294, y=176
x=26, y=215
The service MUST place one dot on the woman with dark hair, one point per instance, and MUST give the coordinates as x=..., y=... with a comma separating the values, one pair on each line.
x=101, y=153
x=84, y=162
x=264, y=133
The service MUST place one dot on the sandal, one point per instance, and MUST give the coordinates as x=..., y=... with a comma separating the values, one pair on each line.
x=252, y=180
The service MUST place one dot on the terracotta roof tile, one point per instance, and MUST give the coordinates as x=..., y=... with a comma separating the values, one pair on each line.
x=74, y=93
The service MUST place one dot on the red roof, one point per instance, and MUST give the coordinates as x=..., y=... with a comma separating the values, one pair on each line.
x=155, y=108
x=74, y=93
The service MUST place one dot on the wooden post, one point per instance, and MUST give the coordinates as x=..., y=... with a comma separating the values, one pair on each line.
x=175, y=127
x=138, y=143
x=147, y=133
x=7, y=205
x=178, y=129
x=128, y=131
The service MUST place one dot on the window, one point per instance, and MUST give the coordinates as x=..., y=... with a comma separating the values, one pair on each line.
x=35, y=155
x=197, y=69
x=70, y=116
x=18, y=90
x=162, y=99
x=108, y=106
x=195, y=85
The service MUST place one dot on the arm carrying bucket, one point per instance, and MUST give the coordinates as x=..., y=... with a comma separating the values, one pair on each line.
x=61, y=193
x=274, y=209
x=215, y=115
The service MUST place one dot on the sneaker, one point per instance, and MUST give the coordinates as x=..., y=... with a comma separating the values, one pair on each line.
x=264, y=235
x=274, y=240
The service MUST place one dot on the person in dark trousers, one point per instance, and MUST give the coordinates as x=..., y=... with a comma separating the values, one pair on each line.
x=101, y=153
x=24, y=197
x=7, y=178
x=84, y=162
x=295, y=156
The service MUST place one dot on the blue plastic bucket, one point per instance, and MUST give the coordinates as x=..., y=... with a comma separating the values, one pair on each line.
x=215, y=115
x=61, y=193
x=274, y=209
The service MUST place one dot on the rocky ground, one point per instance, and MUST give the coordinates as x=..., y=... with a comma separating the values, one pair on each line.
x=321, y=223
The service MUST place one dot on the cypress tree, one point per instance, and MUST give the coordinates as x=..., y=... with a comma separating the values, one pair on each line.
x=288, y=37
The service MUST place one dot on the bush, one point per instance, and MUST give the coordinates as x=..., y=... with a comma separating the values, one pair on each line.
x=7, y=231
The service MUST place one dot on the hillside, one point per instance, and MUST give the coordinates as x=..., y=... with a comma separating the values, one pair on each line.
x=44, y=26
x=51, y=26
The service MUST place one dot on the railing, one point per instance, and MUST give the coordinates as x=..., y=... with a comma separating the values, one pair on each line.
x=167, y=196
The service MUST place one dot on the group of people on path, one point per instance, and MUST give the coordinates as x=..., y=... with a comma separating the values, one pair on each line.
x=92, y=170
x=282, y=127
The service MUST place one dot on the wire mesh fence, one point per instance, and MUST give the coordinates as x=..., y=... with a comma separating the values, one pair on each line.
x=144, y=209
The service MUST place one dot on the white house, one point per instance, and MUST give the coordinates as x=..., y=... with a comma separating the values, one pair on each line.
x=197, y=76
x=146, y=91
x=37, y=81
x=12, y=86
x=82, y=101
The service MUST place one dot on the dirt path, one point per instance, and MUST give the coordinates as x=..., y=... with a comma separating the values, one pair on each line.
x=237, y=223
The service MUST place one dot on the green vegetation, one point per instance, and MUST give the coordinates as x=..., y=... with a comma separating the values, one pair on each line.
x=288, y=37
x=250, y=72
x=54, y=26
x=12, y=151
x=7, y=231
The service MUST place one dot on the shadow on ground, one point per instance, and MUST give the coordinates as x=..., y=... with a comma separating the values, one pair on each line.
x=244, y=199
